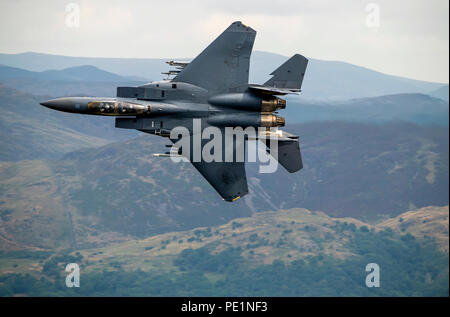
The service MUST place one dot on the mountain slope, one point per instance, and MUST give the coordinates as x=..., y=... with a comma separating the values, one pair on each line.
x=267, y=236
x=416, y=108
x=293, y=252
x=120, y=190
x=78, y=73
x=82, y=80
x=331, y=80
x=441, y=93
x=385, y=168
x=428, y=224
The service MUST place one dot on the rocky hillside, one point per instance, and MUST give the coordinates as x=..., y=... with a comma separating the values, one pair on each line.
x=293, y=252
x=427, y=224
x=285, y=235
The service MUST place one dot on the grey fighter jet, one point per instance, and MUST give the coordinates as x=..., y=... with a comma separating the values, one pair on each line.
x=213, y=90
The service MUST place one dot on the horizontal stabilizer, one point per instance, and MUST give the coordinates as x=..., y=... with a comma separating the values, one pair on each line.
x=288, y=155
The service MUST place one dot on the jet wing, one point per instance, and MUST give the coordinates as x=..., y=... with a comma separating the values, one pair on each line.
x=224, y=63
x=228, y=179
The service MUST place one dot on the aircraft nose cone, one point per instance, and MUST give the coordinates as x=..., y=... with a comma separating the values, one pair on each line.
x=48, y=104
x=61, y=104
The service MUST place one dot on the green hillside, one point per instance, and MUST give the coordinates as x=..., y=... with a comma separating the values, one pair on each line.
x=286, y=253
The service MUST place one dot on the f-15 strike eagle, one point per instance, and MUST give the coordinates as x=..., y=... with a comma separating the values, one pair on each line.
x=211, y=91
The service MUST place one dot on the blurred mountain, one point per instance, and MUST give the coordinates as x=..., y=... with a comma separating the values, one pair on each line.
x=334, y=80
x=78, y=73
x=324, y=80
x=150, y=68
x=360, y=170
x=117, y=191
x=80, y=80
x=441, y=93
x=416, y=108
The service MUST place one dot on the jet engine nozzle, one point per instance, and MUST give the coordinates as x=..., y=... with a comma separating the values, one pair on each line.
x=273, y=104
x=271, y=120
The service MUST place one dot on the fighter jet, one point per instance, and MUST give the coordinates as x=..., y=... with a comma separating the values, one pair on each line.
x=212, y=90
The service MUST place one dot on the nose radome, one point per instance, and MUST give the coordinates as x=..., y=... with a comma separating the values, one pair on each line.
x=61, y=104
x=48, y=104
